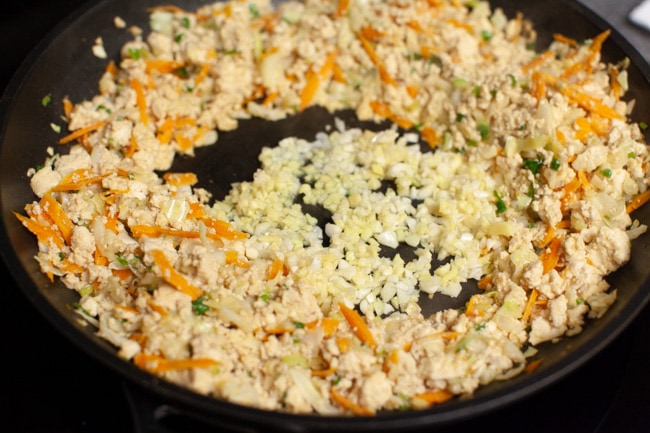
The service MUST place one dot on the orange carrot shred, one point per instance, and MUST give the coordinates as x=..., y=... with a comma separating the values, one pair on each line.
x=528, y=309
x=638, y=201
x=323, y=373
x=358, y=325
x=140, y=100
x=82, y=131
x=180, y=179
x=349, y=405
x=370, y=51
x=158, y=364
x=532, y=366
x=172, y=276
x=58, y=215
x=328, y=324
x=551, y=255
x=43, y=233
x=342, y=7
x=484, y=282
x=435, y=397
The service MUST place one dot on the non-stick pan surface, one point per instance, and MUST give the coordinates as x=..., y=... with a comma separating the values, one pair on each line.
x=64, y=65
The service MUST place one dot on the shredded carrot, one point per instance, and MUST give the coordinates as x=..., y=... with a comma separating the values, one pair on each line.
x=197, y=211
x=431, y=136
x=617, y=89
x=589, y=103
x=460, y=25
x=163, y=66
x=111, y=68
x=99, y=258
x=472, y=309
x=412, y=91
x=338, y=75
x=67, y=107
x=382, y=109
x=328, y=324
x=343, y=344
x=126, y=308
x=548, y=237
x=342, y=8
x=309, y=91
x=277, y=267
x=82, y=131
x=539, y=86
x=223, y=229
x=268, y=100
x=393, y=356
x=528, y=309
x=323, y=373
x=172, y=276
x=166, y=131
x=44, y=234
x=434, y=397
x=537, y=61
x=158, y=364
x=532, y=366
x=638, y=201
x=349, y=405
x=131, y=148
x=122, y=274
x=70, y=267
x=140, y=100
x=315, y=79
x=551, y=255
x=232, y=258
x=370, y=51
x=561, y=38
x=358, y=325
x=181, y=179
x=58, y=215
x=484, y=282
x=77, y=180
x=371, y=33
x=597, y=42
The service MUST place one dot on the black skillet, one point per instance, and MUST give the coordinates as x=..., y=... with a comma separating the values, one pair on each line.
x=63, y=65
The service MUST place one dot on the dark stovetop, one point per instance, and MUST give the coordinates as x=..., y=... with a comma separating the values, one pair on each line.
x=51, y=386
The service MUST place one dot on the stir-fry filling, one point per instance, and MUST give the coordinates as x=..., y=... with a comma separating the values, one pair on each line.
x=511, y=169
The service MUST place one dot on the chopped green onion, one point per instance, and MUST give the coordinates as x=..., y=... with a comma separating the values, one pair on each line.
x=555, y=164
x=181, y=72
x=46, y=100
x=135, y=54
x=179, y=37
x=299, y=325
x=252, y=8
x=500, y=204
x=185, y=22
x=460, y=117
x=484, y=130
x=198, y=307
x=643, y=125
x=533, y=164
x=486, y=35
x=513, y=80
x=631, y=155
